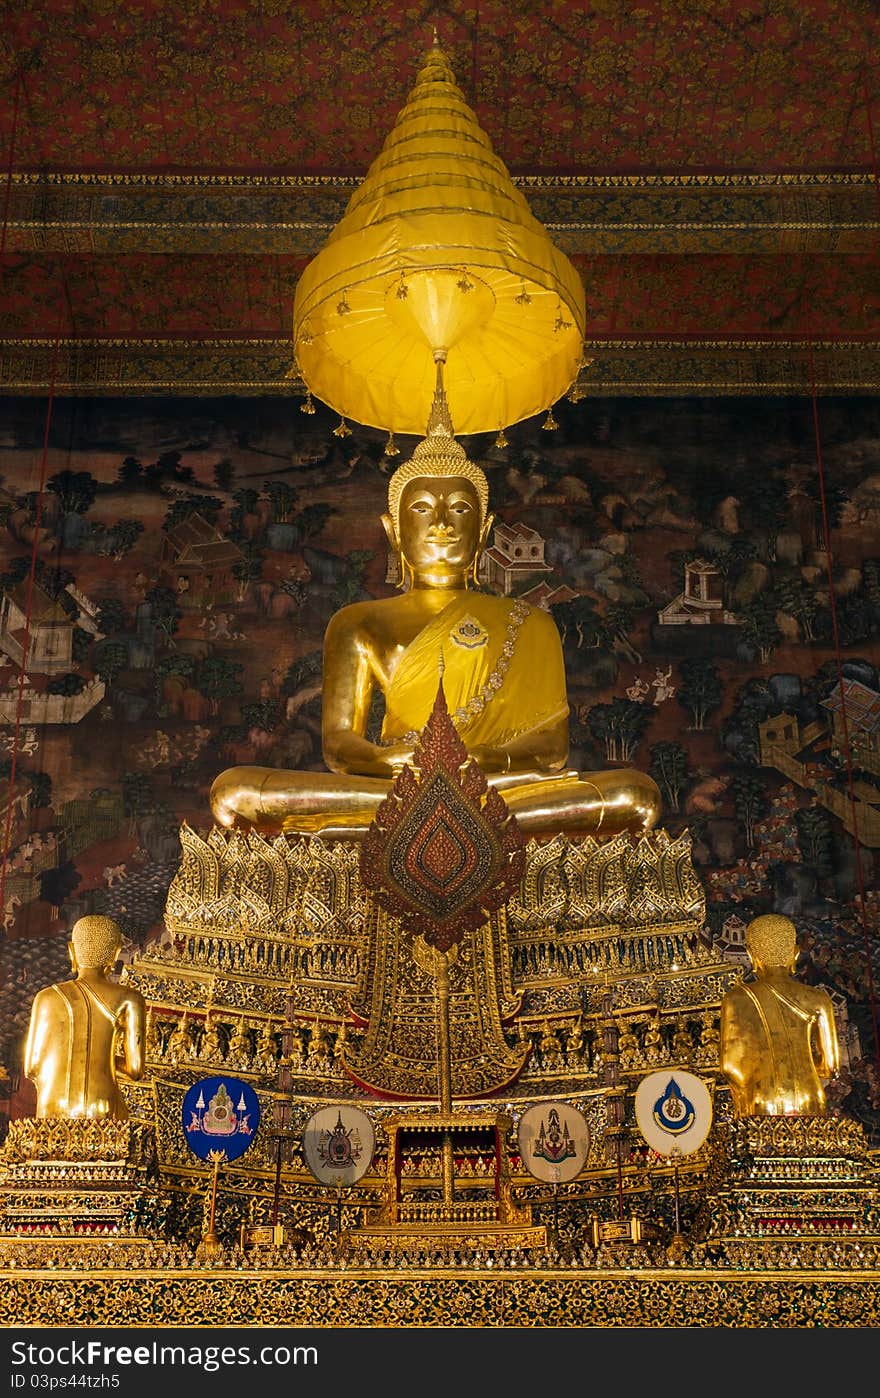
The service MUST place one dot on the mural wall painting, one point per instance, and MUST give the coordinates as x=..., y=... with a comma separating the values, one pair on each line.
x=188, y=554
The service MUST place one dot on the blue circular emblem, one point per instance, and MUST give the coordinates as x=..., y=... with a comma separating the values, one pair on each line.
x=220, y=1114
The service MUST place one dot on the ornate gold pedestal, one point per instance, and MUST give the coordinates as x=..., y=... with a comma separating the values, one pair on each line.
x=278, y=968
x=275, y=939
x=793, y=1191
x=76, y=1179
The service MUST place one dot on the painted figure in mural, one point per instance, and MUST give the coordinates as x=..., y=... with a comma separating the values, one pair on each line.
x=83, y=1032
x=503, y=677
x=779, y=1042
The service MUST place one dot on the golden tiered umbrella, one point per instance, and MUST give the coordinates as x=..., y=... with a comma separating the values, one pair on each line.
x=438, y=259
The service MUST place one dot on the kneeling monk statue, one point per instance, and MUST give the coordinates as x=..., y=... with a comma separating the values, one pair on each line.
x=503, y=677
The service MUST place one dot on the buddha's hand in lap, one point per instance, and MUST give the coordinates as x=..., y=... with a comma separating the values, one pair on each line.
x=398, y=756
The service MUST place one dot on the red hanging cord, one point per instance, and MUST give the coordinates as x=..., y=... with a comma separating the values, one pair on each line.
x=11, y=802
x=844, y=718
x=11, y=159
x=38, y=510
x=870, y=120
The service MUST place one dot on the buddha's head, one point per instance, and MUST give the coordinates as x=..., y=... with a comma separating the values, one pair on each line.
x=438, y=517
x=95, y=944
x=771, y=941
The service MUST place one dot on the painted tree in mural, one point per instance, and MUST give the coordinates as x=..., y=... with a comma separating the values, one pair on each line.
x=350, y=587
x=172, y=673
x=218, y=678
x=53, y=580
x=166, y=468
x=619, y=620
x=580, y=624
x=82, y=644
x=67, y=685
x=208, y=506
x=165, y=614
x=74, y=490
x=113, y=617
x=816, y=839
x=110, y=660
x=669, y=768
x=730, y=560
x=302, y=683
x=123, y=536
x=244, y=504
x=137, y=796
x=700, y=691
x=261, y=718
x=830, y=501
x=750, y=803
x=856, y=620
x=283, y=498
x=224, y=474
x=56, y=885
x=760, y=628
x=248, y=569
x=311, y=520
x=871, y=583
x=619, y=725
x=798, y=600
x=765, y=495
x=131, y=472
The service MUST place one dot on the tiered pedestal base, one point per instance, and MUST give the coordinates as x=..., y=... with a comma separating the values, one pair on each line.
x=796, y=1191
x=75, y=1178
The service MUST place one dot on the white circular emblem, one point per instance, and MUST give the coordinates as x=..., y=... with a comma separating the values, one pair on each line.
x=338, y=1144
x=673, y=1111
x=554, y=1140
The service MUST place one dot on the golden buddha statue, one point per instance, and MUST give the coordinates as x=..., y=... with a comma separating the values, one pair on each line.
x=779, y=1041
x=503, y=676
x=83, y=1032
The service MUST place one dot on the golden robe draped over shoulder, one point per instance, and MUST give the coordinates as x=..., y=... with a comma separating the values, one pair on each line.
x=500, y=677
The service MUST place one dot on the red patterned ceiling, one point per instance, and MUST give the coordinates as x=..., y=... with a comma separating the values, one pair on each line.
x=560, y=85
x=641, y=297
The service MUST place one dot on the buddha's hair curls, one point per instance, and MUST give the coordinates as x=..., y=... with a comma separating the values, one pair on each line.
x=772, y=939
x=441, y=456
x=96, y=941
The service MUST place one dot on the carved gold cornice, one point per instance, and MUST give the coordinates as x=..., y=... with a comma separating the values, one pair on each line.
x=244, y=366
x=587, y=214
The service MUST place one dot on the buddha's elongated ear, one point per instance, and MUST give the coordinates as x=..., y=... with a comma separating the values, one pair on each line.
x=71, y=952
x=390, y=533
x=394, y=544
x=474, y=572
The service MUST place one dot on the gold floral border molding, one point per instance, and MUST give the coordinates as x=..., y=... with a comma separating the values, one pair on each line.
x=243, y=366
x=470, y=1298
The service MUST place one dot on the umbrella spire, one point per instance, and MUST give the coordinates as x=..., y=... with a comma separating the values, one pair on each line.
x=438, y=258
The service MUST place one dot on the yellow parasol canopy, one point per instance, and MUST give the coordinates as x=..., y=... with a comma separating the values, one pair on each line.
x=438, y=259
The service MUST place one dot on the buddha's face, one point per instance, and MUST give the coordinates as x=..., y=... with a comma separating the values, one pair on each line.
x=439, y=524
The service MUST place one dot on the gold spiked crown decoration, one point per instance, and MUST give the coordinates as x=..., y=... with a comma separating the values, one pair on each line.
x=438, y=260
